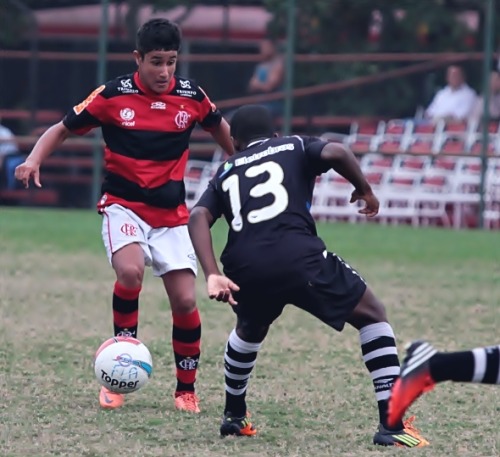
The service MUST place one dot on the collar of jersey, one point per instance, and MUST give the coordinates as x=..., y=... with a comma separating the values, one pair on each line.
x=147, y=91
x=253, y=143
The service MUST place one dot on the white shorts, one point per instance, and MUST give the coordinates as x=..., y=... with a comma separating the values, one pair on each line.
x=165, y=249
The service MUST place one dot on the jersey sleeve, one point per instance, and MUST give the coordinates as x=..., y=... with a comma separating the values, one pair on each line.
x=209, y=117
x=312, y=149
x=211, y=200
x=88, y=114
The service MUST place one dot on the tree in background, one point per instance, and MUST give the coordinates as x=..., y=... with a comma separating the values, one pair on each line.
x=366, y=26
x=331, y=26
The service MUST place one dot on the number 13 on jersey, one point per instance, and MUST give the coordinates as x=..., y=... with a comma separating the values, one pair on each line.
x=273, y=185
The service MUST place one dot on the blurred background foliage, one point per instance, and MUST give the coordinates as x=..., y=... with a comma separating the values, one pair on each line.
x=333, y=27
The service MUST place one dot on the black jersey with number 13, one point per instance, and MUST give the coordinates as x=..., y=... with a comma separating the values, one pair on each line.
x=265, y=194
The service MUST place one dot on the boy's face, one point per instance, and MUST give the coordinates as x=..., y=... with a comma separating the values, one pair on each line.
x=156, y=69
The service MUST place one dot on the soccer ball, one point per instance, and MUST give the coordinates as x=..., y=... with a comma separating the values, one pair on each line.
x=123, y=364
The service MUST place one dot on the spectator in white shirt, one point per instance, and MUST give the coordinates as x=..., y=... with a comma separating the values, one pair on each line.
x=454, y=102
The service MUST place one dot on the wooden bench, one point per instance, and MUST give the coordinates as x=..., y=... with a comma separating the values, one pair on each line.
x=70, y=171
x=30, y=197
x=42, y=116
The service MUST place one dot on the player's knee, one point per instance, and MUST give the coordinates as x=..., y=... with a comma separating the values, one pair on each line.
x=377, y=312
x=183, y=303
x=370, y=310
x=250, y=332
x=130, y=275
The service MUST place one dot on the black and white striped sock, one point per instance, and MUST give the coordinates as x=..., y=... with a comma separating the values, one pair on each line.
x=481, y=365
x=380, y=355
x=239, y=360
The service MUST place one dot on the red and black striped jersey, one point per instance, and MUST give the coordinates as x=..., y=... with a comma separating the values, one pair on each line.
x=146, y=138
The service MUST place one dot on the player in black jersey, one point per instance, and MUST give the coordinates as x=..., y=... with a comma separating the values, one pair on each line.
x=274, y=257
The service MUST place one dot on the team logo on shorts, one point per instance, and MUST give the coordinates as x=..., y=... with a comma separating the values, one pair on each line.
x=182, y=119
x=128, y=229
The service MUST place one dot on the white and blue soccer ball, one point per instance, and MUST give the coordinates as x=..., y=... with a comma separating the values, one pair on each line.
x=123, y=364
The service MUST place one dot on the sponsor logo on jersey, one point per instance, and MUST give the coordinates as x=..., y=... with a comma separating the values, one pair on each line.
x=158, y=105
x=127, y=114
x=182, y=119
x=81, y=106
x=185, y=84
x=227, y=167
x=186, y=93
x=266, y=152
x=126, y=87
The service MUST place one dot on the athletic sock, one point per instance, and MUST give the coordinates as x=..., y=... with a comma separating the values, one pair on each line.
x=380, y=355
x=481, y=365
x=239, y=360
x=186, y=343
x=125, y=310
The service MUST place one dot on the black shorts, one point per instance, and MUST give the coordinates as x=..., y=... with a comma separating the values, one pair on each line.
x=327, y=288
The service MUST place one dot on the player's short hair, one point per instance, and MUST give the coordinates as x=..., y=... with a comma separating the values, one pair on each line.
x=250, y=122
x=158, y=35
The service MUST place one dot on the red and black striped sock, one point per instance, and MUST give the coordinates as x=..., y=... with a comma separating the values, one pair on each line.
x=125, y=310
x=186, y=342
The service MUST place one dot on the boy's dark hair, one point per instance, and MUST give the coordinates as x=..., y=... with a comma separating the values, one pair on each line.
x=251, y=122
x=158, y=35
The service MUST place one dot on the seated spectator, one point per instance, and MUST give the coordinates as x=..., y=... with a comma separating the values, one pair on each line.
x=494, y=100
x=268, y=75
x=10, y=158
x=454, y=102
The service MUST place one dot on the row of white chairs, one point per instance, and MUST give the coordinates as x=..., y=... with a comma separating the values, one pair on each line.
x=433, y=199
x=399, y=136
x=416, y=190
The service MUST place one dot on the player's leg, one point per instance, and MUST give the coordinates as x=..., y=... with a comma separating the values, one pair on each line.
x=378, y=346
x=122, y=236
x=337, y=294
x=186, y=336
x=240, y=356
x=424, y=367
x=128, y=263
x=174, y=260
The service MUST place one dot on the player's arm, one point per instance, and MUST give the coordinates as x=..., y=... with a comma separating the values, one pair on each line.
x=212, y=121
x=221, y=134
x=46, y=144
x=200, y=222
x=79, y=120
x=201, y=219
x=344, y=162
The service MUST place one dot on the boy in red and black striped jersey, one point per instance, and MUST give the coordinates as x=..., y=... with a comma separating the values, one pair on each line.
x=146, y=119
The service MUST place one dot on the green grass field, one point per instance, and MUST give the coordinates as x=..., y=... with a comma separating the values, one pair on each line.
x=310, y=394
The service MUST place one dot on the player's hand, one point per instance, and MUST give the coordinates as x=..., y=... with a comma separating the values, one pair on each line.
x=371, y=203
x=220, y=288
x=26, y=171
